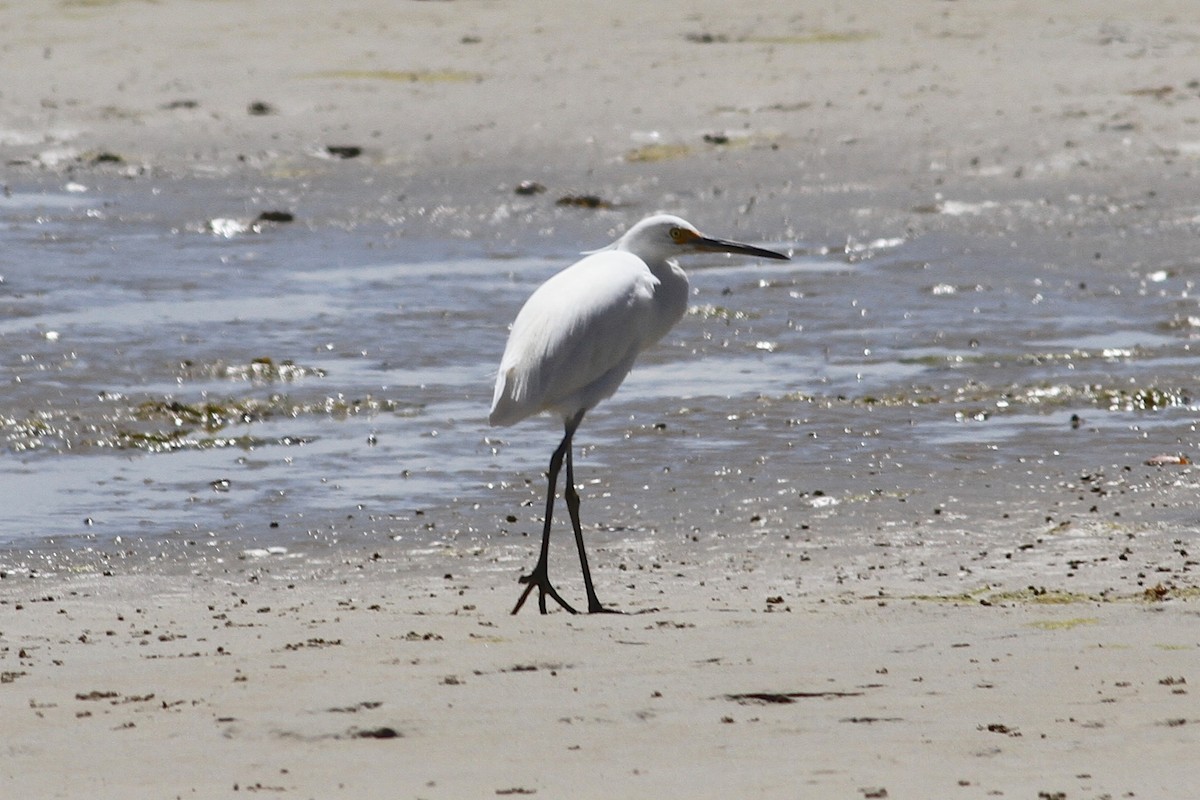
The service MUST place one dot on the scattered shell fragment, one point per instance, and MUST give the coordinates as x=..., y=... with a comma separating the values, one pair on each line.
x=228, y=228
x=1168, y=461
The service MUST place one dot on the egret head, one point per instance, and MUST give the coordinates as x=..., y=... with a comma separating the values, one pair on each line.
x=665, y=236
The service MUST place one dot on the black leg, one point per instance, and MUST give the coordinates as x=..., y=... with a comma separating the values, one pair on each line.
x=540, y=577
x=572, y=498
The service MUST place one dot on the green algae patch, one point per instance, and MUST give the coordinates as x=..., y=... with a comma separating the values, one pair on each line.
x=993, y=400
x=259, y=370
x=1160, y=593
x=209, y=415
x=166, y=424
x=1150, y=398
x=657, y=152
x=170, y=441
x=213, y=415
x=1033, y=596
x=1045, y=597
x=1063, y=624
x=963, y=597
x=151, y=441
x=70, y=5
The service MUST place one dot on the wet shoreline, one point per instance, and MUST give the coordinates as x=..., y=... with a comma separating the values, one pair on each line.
x=297, y=386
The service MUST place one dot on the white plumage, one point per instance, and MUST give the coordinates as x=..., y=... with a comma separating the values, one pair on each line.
x=577, y=337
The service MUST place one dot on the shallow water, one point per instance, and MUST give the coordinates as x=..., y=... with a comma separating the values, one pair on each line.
x=166, y=386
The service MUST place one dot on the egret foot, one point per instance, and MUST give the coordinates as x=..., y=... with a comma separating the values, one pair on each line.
x=538, y=578
x=594, y=607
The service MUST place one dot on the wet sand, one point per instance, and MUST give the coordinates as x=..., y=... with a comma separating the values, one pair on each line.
x=765, y=669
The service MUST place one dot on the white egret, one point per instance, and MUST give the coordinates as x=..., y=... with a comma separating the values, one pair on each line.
x=577, y=337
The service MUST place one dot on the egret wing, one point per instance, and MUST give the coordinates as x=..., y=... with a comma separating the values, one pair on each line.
x=576, y=337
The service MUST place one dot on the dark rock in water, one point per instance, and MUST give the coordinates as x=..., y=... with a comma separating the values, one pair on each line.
x=260, y=109
x=343, y=151
x=275, y=216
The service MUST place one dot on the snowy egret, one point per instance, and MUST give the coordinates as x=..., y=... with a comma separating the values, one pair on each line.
x=576, y=339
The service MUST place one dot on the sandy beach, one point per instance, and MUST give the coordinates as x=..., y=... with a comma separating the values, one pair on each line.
x=373, y=685
x=1018, y=656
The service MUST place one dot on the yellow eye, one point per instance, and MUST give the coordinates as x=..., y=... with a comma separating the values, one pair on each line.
x=678, y=235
